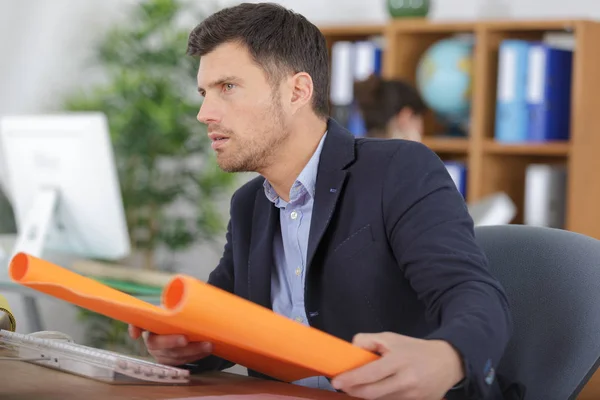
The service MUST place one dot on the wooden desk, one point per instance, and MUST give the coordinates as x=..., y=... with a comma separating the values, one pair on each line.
x=591, y=391
x=25, y=381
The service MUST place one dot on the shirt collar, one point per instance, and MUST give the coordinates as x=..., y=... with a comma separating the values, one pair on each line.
x=305, y=182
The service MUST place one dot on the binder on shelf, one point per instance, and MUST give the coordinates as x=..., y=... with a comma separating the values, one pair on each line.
x=549, y=92
x=241, y=331
x=367, y=56
x=545, y=195
x=458, y=173
x=512, y=115
x=352, y=61
x=341, y=94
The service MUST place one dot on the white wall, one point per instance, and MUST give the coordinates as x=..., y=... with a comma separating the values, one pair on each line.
x=44, y=46
x=361, y=11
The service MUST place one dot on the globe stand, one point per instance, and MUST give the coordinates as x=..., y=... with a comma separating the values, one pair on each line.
x=452, y=128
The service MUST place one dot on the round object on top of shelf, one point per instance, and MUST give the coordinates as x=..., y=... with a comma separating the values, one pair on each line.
x=408, y=8
x=444, y=79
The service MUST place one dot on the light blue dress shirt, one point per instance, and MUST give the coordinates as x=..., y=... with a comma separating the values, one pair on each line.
x=290, y=248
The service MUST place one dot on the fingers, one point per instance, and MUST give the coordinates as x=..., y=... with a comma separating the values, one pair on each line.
x=171, y=349
x=375, y=342
x=369, y=373
x=183, y=355
x=175, y=349
x=161, y=342
x=374, y=371
x=377, y=390
x=134, y=331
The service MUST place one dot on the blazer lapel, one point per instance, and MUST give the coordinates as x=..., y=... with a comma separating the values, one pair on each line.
x=337, y=153
x=260, y=259
x=327, y=192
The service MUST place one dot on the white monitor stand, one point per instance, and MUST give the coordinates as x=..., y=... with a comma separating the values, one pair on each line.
x=62, y=182
x=32, y=237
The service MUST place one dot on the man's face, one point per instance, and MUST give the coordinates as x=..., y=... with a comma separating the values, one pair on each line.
x=243, y=113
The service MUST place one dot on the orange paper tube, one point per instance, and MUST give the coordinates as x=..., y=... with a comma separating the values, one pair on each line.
x=241, y=331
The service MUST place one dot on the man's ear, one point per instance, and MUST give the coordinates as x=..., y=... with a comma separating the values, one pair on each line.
x=302, y=91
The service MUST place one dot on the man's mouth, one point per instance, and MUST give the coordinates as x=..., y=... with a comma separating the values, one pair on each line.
x=218, y=140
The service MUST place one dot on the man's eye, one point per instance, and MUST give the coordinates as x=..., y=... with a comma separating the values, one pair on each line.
x=229, y=86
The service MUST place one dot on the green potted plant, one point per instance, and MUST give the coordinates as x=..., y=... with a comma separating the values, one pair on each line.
x=162, y=152
x=170, y=182
x=7, y=218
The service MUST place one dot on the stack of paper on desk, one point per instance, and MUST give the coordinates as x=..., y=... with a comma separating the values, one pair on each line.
x=241, y=331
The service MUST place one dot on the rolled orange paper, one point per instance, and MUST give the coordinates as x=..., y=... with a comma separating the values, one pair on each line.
x=241, y=331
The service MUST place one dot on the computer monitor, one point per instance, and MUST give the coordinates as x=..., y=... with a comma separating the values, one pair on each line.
x=62, y=182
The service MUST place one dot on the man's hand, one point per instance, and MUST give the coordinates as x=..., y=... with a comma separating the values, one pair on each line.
x=409, y=368
x=171, y=350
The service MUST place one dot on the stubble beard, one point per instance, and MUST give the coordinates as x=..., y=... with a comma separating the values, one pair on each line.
x=259, y=152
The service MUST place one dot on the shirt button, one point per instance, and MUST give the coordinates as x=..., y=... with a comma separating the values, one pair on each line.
x=294, y=215
x=299, y=319
x=298, y=271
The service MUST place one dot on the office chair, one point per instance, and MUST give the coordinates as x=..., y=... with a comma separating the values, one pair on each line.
x=552, y=279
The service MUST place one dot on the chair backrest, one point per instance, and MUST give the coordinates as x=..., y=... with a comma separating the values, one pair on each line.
x=552, y=279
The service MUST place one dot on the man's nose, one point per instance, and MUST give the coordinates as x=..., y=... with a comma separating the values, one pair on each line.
x=208, y=113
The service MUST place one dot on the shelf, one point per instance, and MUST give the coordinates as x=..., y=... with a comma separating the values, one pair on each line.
x=526, y=25
x=496, y=166
x=426, y=26
x=337, y=32
x=422, y=25
x=418, y=25
x=447, y=145
x=528, y=149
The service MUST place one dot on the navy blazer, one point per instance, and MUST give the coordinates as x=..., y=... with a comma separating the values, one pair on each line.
x=391, y=248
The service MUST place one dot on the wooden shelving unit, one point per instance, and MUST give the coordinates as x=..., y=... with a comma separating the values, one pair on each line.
x=348, y=32
x=543, y=149
x=493, y=166
x=445, y=146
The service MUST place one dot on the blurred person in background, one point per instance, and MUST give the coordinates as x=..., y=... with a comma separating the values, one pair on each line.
x=391, y=108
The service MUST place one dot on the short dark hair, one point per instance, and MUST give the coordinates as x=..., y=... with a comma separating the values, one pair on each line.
x=279, y=40
x=380, y=99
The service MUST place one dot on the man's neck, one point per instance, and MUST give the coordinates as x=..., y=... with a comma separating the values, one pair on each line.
x=293, y=156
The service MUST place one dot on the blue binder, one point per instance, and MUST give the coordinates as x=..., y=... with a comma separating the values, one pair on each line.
x=549, y=92
x=512, y=115
x=458, y=173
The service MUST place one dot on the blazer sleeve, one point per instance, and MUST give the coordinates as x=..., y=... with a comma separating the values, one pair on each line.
x=432, y=237
x=221, y=277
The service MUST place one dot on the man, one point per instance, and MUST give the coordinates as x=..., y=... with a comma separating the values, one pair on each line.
x=366, y=239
